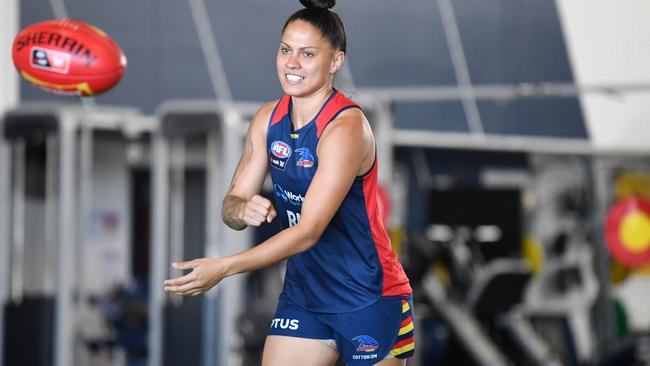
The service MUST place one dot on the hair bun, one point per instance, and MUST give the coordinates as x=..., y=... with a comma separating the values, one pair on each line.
x=318, y=4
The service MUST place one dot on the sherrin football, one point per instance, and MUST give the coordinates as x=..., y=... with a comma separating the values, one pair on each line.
x=68, y=57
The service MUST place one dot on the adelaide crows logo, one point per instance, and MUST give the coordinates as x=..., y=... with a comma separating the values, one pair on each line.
x=306, y=158
x=366, y=343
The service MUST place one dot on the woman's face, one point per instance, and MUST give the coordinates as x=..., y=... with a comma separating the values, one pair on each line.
x=306, y=61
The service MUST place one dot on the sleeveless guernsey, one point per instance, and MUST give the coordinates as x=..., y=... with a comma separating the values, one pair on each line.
x=352, y=264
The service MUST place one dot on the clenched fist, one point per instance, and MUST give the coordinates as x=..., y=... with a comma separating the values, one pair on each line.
x=257, y=210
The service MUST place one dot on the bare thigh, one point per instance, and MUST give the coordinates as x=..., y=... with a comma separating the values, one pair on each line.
x=391, y=362
x=293, y=351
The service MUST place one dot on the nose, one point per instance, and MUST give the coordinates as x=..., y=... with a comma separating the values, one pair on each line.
x=292, y=62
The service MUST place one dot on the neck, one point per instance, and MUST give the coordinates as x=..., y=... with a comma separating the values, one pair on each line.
x=304, y=109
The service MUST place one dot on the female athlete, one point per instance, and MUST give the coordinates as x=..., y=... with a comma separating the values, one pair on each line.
x=345, y=294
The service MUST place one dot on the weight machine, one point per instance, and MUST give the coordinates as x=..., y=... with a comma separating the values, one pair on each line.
x=206, y=136
x=46, y=164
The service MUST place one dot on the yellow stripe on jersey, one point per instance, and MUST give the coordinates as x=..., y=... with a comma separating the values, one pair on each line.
x=403, y=349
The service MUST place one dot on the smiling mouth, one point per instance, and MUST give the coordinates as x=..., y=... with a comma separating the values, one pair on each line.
x=293, y=78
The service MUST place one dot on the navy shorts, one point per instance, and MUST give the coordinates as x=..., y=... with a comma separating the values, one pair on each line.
x=363, y=337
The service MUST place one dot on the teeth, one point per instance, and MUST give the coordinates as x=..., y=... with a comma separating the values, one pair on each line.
x=294, y=77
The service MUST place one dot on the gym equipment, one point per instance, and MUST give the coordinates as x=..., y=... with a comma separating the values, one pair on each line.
x=205, y=137
x=618, y=273
x=627, y=231
x=479, y=313
x=45, y=181
x=479, y=297
x=560, y=299
x=533, y=254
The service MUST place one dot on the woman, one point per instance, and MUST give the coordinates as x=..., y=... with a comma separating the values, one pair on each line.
x=345, y=293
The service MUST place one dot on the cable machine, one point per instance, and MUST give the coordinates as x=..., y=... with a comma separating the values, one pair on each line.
x=46, y=157
x=207, y=137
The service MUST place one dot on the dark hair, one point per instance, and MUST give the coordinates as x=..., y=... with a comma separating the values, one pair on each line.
x=329, y=24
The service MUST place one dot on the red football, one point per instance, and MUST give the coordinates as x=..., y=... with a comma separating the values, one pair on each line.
x=68, y=57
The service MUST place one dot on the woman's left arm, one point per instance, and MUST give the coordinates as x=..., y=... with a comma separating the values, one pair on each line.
x=343, y=151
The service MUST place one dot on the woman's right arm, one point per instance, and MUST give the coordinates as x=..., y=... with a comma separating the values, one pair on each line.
x=243, y=206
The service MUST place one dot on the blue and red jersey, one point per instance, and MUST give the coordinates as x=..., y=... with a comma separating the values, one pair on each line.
x=352, y=264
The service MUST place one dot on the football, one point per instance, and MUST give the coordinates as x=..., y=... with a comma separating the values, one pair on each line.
x=68, y=57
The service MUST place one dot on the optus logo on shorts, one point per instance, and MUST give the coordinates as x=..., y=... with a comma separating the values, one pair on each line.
x=280, y=153
x=291, y=324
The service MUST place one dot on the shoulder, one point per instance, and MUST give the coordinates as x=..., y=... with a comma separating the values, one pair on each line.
x=348, y=138
x=351, y=121
x=348, y=133
x=260, y=121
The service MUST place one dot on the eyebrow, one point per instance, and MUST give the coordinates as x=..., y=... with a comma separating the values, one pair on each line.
x=302, y=48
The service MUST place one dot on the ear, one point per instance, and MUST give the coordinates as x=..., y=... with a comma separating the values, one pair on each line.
x=337, y=62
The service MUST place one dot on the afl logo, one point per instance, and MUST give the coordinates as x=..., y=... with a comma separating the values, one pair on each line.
x=280, y=149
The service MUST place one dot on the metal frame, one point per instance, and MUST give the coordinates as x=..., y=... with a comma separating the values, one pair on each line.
x=51, y=208
x=605, y=329
x=470, y=334
x=210, y=49
x=502, y=92
x=214, y=171
x=223, y=150
x=65, y=259
x=4, y=235
x=507, y=143
x=459, y=63
x=381, y=100
x=381, y=120
x=17, y=221
x=58, y=8
x=64, y=324
x=86, y=162
x=231, y=241
x=159, y=252
x=177, y=203
x=74, y=172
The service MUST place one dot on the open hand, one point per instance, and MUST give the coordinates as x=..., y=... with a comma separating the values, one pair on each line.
x=205, y=274
x=257, y=210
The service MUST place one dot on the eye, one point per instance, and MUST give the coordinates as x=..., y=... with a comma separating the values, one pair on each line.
x=309, y=54
x=284, y=50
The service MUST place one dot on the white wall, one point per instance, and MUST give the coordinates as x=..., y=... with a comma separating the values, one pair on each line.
x=9, y=81
x=609, y=43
